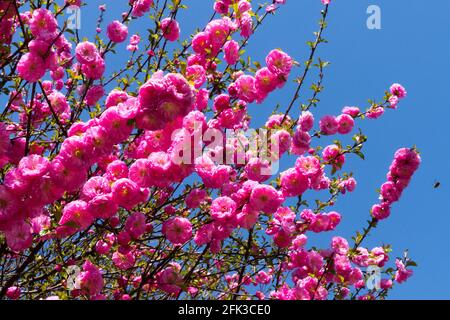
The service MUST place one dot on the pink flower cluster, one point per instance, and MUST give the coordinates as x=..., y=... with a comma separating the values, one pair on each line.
x=250, y=88
x=163, y=99
x=113, y=178
x=92, y=63
x=42, y=55
x=406, y=162
x=140, y=7
x=343, y=124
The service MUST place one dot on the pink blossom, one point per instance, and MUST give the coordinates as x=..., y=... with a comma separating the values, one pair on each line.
x=43, y=24
x=197, y=75
x=86, y=52
x=94, y=70
x=170, y=279
x=351, y=111
x=90, y=279
x=246, y=25
x=381, y=211
x=19, y=236
x=95, y=186
x=375, y=112
x=300, y=142
x=389, y=192
x=258, y=169
x=75, y=217
x=31, y=67
x=402, y=274
x=170, y=29
x=102, y=247
x=345, y=123
x=117, y=31
x=115, y=97
x=398, y=90
x=279, y=63
x=13, y=293
x=123, y=261
x=94, y=94
x=177, y=230
x=200, y=43
x=306, y=121
x=163, y=99
x=333, y=155
x=309, y=166
x=293, y=183
x=246, y=90
x=195, y=198
x=140, y=7
x=329, y=125
x=103, y=206
x=231, y=52
x=265, y=198
x=136, y=225
x=218, y=30
x=33, y=166
x=266, y=81
x=221, y=6
x=126, y=193
x=223, y=209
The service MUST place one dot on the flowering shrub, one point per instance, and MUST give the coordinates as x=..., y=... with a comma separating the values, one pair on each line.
x=150, y=180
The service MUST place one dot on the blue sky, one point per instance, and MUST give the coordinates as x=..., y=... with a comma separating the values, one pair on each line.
x=412, y=49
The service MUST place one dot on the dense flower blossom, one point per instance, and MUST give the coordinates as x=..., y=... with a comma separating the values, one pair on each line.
x=163, y=99
x=195, y=198
x=94, y=70
x=351, y=111
x=33, y=166
x=170, y=279
x=136, y=179
x=246, y=88
x=197, y=75
x=94, y=94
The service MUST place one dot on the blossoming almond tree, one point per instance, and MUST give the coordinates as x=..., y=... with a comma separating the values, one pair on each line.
x=147, y=180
